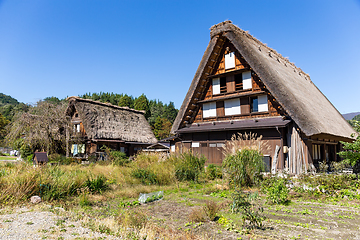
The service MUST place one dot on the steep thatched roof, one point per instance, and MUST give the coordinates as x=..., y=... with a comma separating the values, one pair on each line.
x=291, y=87
x=107, y=121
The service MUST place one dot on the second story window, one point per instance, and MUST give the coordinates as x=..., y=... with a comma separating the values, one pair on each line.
x=232, y=107
x=238, y=82
x=223, y=85
x=259, y=104
x=246, y=80
x=216, y=86
x=219, y=85
x=209, y=109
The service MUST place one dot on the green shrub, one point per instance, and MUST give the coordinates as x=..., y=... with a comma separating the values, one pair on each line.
x=189, y=166
x=145, y=176
x=60, y=159
x=96, y=184
x=244, y=167
x=338, y=166
x=251, y=213
x=30, y=158
x=213, y=171
x=118, y=158
x=276, y=191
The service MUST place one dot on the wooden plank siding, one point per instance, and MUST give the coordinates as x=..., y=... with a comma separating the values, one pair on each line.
x=215, y=155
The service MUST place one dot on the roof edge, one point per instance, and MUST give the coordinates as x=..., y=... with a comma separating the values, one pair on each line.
x=79, y=99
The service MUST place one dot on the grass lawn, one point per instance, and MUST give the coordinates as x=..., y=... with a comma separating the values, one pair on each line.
x=7, y=158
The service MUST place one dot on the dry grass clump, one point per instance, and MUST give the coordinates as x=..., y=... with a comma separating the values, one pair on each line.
x=245, y=141
x=212, y=209
x=197, y=214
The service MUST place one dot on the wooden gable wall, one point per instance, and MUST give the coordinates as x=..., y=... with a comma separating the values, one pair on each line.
x=258, y=88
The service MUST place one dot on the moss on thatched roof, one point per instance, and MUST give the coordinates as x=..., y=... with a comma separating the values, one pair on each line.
x=291, y=87
x=107, y=121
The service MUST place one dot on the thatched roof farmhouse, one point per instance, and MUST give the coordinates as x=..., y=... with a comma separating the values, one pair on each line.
x=96, y=124
x=242, y=85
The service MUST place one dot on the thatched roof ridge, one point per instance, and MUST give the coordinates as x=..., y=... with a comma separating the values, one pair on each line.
x=291, y=87
x=107, y=121
x=104, y=104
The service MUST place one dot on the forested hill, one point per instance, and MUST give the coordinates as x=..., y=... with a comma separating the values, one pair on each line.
x=9, y=106
x=6, y=99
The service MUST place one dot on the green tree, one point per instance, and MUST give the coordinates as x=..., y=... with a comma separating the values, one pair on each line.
x=157, y=110
x=351, y=155
x=162, y=128
x=126, y=101
x=53, y=100
x=3, y=123
x=170, y=112
x=142, y=103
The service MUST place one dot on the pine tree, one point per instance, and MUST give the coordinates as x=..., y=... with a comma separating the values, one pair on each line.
x=170, y=112
x=142, y=103
x=126, y=101
x=162, y=128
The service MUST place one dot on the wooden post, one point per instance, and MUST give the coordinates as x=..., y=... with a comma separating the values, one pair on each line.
x=67, y=140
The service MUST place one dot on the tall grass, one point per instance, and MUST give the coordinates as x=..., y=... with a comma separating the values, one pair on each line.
x=22, y=181
x=149, y=171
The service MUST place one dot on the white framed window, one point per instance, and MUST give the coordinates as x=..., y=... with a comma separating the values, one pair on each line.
x=209, y=109
x=76, y=127
x=263, y=103
x=232, y=107
x=172, y=148
x=259, y=104
x=230, y=60
x=216, y=85
x=195, y=144
x=246, y=78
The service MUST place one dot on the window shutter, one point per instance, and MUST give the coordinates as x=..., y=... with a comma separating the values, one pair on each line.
x=263, y=103
x=212, y=109
x=195, y=144
x=216, y=85
x=209, y=109
x=230, y=60
x=232, y=107
x=247, y=83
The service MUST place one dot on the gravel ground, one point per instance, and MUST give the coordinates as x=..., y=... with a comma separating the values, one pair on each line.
x=42, y=223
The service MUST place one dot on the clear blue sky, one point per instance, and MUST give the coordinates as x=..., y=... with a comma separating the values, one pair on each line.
x=71, y=47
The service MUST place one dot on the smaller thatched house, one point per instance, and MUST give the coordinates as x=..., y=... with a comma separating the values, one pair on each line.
x=96, y=124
